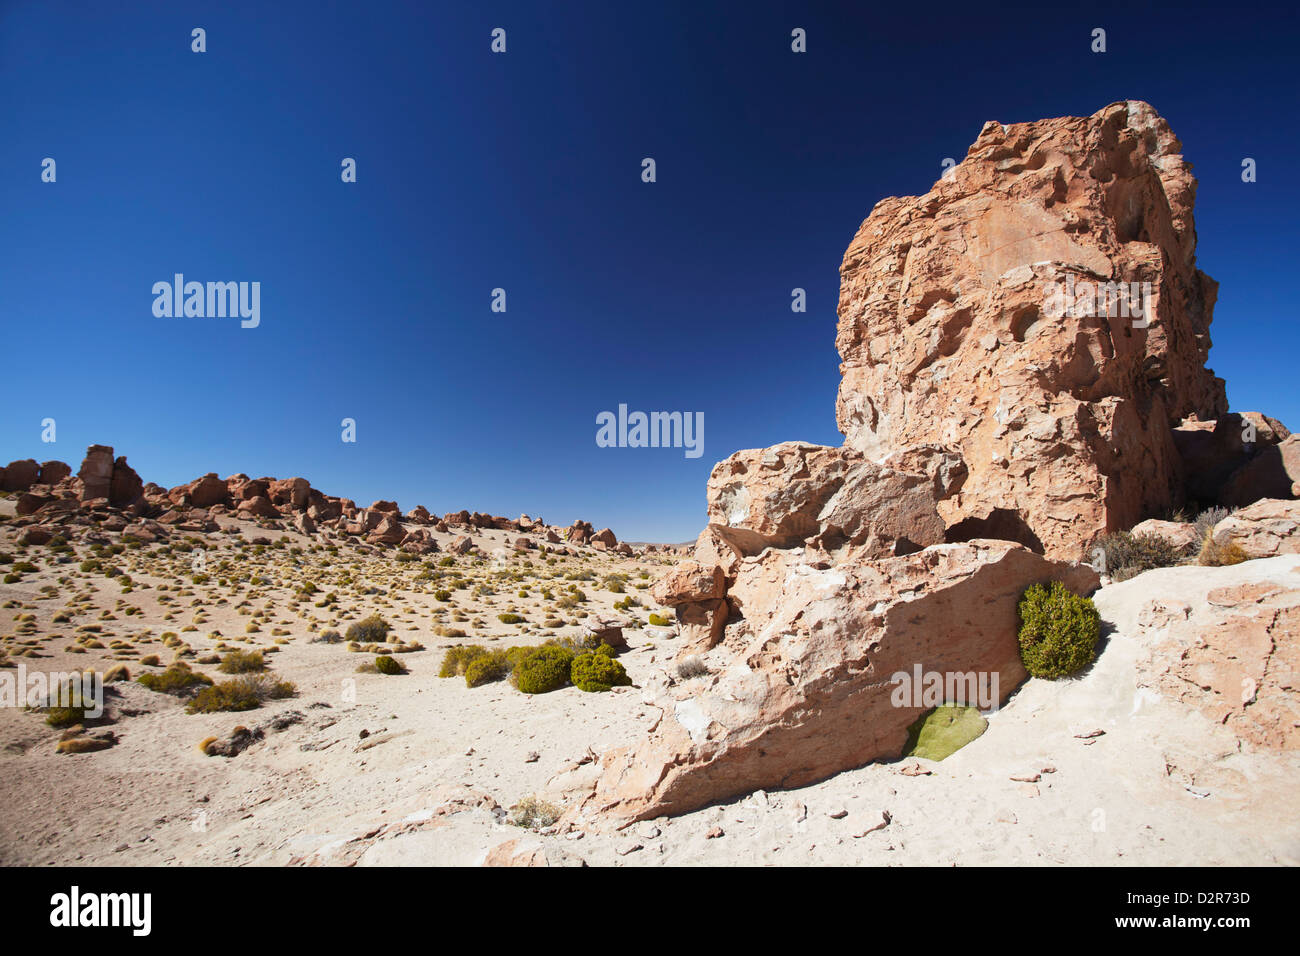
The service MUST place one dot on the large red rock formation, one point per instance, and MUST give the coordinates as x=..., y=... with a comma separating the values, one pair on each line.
x=951, y=329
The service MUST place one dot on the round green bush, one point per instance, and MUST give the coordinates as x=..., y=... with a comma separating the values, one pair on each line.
x=487, y=668
x=387, y=665
x=597, y=672
x=1058, y=630
x=545, y=668
x=658, y=620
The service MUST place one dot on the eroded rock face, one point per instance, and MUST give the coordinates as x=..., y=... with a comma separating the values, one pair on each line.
x=96, y=472
x=800, y=687
x=949, y=332
x=1273, y=472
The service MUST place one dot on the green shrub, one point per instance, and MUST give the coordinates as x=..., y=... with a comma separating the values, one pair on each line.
x=543, y=669
x=1127, y=555
x=442, y=594
x=242, y=662
x=516, y=654
x=658, y=620
x=388, y=665
x=487, y=668
x=1058, y=630
x=176, y=679
x=510, y=618
x=457, y=659
x=242, y=693
x=597, y=672
x=371, y=630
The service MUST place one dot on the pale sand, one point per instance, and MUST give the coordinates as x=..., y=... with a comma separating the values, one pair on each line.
x=1121, y=799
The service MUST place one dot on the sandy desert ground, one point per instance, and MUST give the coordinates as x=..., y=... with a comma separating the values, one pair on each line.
x=419, y=769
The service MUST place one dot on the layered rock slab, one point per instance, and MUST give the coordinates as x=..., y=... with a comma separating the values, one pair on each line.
x=802, y=688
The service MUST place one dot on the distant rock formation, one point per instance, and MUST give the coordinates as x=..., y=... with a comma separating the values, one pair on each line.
x=106, y=490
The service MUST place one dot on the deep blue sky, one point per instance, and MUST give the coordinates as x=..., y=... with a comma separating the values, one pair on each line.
x=522, y=171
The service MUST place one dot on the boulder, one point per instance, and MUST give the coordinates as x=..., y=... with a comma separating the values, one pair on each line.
x=1222, y=466
x=833, y=498
x=605, y=631
x=1264, y=529
x=21, y=475
x=289, y=493
x=208, y=491
x=689, y=582
x=388, y=531
x=606, y=537
x=1273, y=472
x=801, y=687
x=36, y=535
x=1181, y=534
x=28, y=503
x=461, y=545
x=258, y=506
x=52, y=472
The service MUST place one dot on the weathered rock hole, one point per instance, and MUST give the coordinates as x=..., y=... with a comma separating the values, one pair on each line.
x=1025, y=324
x=1002, y=524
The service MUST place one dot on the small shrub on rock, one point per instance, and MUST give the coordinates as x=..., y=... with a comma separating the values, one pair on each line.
x=1058, y=630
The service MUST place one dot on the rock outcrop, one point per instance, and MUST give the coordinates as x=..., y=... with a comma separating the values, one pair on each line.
x=1018, y=346
x=801, y=686
x=978, y=317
